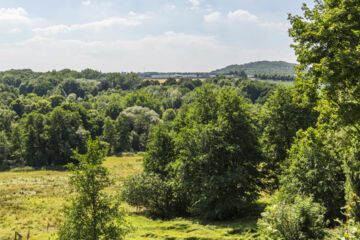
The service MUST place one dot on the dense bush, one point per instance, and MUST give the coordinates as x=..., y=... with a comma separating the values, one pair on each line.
x=301, y=219
x=151, y=192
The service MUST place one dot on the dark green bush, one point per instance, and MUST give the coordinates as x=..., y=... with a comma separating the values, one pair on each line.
x=149, y=191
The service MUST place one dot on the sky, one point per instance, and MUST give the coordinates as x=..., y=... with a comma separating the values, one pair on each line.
x=144, y=35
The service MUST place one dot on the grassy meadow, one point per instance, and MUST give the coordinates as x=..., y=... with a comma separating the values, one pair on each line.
x=32, y=202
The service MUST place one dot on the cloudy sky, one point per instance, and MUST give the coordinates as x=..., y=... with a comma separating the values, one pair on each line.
x=138, y=35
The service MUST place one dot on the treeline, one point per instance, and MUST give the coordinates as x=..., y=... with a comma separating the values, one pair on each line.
x=45, y=115
x=275, y=77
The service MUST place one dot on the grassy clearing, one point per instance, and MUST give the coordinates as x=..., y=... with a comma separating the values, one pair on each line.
x=33, y=201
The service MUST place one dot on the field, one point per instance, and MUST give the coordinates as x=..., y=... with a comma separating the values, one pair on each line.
x=32, y=202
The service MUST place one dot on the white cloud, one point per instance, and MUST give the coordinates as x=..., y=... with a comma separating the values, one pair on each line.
x=133, y=19
x=86, y=3
x=276, y=25
x=242, y=15
x=14, y=16
x=170, y=6
x=212, y=17
x=15, y=31
x=194, y=3
x=169, y=51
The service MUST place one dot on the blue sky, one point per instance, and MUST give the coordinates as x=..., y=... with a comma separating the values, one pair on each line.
x=138, y=35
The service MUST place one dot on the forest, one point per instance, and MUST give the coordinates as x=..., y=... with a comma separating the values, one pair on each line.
x=221, y=150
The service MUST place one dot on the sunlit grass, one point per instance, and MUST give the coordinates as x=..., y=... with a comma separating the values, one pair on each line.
x=32, y=201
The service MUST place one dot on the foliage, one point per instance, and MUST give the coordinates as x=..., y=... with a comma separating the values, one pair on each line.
x=63, y=134
x=302, y=219
x=161, y=151
x=143, y=99
x=92, y=213
x=281, y=117
x=214, y=166
x=256, y=91
x=32, y=101
x=140, y=121
x=150, y=191
x=169, y=115
x=35, y=140
x=122, y=129
x=326, y=42
x=315, y=168
x=332, y=65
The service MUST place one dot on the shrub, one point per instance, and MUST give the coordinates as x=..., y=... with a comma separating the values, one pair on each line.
x=149, y=191
x=301, y=219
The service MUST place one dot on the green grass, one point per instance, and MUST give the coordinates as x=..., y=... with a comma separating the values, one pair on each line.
x=32, y=201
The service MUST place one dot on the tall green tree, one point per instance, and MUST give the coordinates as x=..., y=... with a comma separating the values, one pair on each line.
x=219, y=156
x=161, y=151
x=326, y=42
x=63, y=135
x=35, y=140
x=122, y=131
x=93, y=214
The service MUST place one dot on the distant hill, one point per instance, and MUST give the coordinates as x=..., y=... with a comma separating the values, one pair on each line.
x=261, y=67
